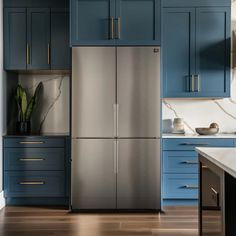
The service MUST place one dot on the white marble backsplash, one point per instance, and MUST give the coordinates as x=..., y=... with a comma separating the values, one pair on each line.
x=52, y=113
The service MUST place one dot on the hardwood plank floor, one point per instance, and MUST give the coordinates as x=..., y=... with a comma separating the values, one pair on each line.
x=43, y=221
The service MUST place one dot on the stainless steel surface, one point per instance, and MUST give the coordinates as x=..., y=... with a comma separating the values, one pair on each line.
x=93, y=178
x=93, y=91
x=138, y=91
x=138, y=179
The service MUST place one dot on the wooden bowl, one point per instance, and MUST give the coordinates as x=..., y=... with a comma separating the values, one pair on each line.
x=207, y=131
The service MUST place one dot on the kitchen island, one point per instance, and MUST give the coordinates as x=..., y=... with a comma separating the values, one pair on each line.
x=217, y=191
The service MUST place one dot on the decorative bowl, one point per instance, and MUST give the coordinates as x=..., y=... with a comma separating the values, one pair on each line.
x=207, y=131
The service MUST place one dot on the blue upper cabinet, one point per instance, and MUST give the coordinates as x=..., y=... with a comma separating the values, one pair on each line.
x=213, y=51
x=38, y=38
x=60, y=56
x=196, y=52
x=115, y=22
x=178, y=51
x=92, y=22
x=138, y=22
x=15, y=38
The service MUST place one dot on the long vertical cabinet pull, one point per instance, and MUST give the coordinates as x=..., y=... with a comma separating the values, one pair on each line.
x=49, y=54
x=112, y=27
x=198, y=83
x=115, y=120
x=192, y=83
x=118, y=27
x=27, y=54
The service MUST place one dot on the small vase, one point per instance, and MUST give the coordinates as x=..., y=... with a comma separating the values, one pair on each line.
x=23, y=127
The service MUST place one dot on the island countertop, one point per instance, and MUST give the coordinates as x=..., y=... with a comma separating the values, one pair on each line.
x=225, y=158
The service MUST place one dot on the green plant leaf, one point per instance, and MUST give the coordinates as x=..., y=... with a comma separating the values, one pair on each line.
x=33, y=102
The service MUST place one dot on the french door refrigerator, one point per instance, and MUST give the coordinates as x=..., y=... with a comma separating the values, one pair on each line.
x=115, y=128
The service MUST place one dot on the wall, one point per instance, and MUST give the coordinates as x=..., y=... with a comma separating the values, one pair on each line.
x=52, y=113
x=200, y=113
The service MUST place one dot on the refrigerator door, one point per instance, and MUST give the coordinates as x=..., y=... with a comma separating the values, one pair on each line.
x=93, y=91
x=138, y=91
x=93, y=174
x=138, y=178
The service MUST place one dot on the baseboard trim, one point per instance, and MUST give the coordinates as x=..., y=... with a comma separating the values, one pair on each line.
x=2, y=200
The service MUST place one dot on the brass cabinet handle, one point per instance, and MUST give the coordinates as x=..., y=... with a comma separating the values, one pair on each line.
x=192, y=83
x=198, y=83
x=31, y=159
x=190, y=162
x=118, y=27
x=31, y=142
x=27, y=54
x=49, y=54
x=112, y=27
x=204, y=167
x=188, y=186
x=32, y=183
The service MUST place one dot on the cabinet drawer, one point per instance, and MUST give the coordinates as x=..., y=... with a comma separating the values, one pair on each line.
x=180, y=186
x=34, y=159
x=33, y=142
x=189, y=144
x=180, y=162
x=34, y=184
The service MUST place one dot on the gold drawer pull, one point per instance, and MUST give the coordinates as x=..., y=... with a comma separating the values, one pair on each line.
x=204, y=167
x=31, y=159
x=190, y=162
x=187, y=186
x=32, y=183
x=31, y=142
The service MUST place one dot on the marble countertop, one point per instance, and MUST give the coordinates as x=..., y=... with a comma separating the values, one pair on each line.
x=225, y=158
x=220, y=135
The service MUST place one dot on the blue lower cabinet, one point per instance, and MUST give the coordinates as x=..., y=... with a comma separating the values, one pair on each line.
x=36, y=170
x=34, y=184
x=180, y=186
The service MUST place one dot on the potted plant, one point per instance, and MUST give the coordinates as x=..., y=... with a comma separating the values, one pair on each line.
x=25, y=108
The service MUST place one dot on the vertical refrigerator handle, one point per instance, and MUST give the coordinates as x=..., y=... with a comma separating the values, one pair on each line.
x=116, y=119
x=117, y=157
x=114, y=156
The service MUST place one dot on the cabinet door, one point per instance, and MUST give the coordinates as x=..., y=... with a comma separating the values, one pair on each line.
x=138, y=178
x=138, y=22
x=138, y=95
x=60, y=49
x=38, y=35
x=178, y=51
x=91, y=22
x=15, y=38
x=93, y=92
x=93, y=174
x=213, y=51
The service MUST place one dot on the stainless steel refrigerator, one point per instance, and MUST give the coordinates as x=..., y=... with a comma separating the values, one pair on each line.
x=115, y=128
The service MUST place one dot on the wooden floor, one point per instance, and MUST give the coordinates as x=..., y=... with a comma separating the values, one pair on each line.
x=32, y=221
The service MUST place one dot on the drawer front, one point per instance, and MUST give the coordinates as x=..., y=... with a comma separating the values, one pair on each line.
x=34, y=142
x=34, y=159
x=180, y=162
x=189, y=144
x=180, y=186
x=34, y=184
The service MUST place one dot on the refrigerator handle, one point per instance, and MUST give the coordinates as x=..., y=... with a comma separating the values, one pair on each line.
x=115, y=120
x=115, y=158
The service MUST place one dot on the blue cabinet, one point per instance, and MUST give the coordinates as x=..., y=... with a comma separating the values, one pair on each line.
x=115, y=22
x=36, y=170
x=180, y=168
x=36, y=39
x=15, y=38
x=60, y=50
x=200, y=65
